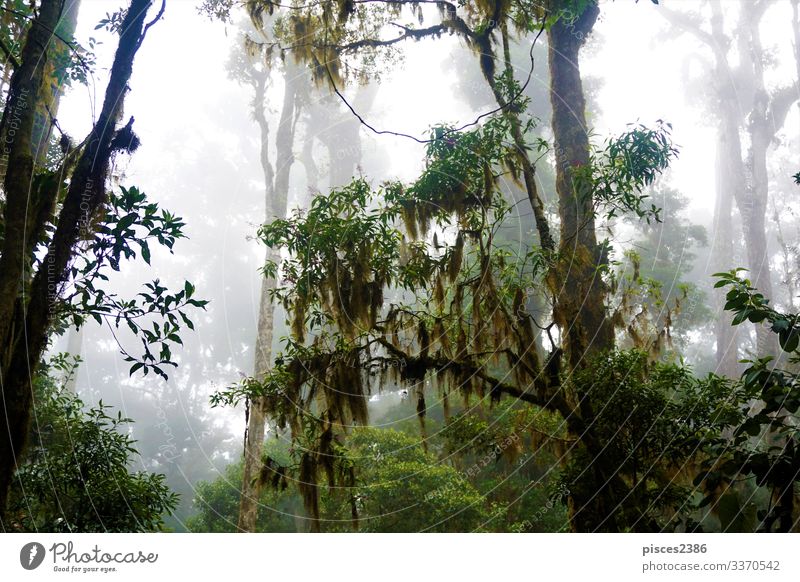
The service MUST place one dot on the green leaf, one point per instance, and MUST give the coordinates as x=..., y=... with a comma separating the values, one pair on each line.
x=127, y=221
x=145, y=251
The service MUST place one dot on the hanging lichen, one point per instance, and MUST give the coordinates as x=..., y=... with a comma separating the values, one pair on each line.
x=351, y=248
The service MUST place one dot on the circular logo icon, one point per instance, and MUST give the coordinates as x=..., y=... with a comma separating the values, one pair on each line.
x=31, y=555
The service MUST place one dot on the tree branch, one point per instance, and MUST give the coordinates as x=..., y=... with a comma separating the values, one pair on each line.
x=780, y=103
x=543, y=395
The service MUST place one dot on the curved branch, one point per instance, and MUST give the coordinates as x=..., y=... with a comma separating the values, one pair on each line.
x=542, y=395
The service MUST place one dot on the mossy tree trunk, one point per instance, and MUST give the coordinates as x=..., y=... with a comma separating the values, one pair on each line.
x=576, y=280
x=579, y=290
x=28, y=300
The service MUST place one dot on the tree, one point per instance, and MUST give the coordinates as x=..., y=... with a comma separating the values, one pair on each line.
x=253, y=64
x=75, y=476
x=246, y=68
x=336, y=277
x=577, y=283
x=46, y=284
x=348, y=247
x=742, y=172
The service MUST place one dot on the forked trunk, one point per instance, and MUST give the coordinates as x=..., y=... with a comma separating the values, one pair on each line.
x=277, y=196
x=24, y=327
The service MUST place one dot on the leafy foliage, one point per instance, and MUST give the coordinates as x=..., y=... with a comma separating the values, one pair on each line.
x=626, y=166
x=749, y=305
x=76, y=475
x=398, y=488
x=764, y=446
x=404, y=489
x=458, y=297
x=155, y=315
x=216, y=503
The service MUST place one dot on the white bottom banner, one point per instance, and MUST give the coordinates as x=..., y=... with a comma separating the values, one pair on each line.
x=390, y=557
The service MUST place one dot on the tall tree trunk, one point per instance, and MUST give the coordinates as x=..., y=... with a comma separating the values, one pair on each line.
x=580, y=293
x=753, y=199
x=765, y=115
x=25, y=93
x=730, y=186
x=276, y=204
x=577, y=284
x=727, y=353
x=25, y=326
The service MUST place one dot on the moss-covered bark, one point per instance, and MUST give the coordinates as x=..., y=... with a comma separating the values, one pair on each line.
x=576, y=281
x=25, y=319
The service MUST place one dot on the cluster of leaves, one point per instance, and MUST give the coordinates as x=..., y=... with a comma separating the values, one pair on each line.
x=72, y=62
x=764, y=447
x=329, y=36
x=763, y=450
x=76, y=474
x=131, y=219
x=461, y=173
x=350, y=245
x=343, y=251
x=75, y=63
x=628, y=406
x=405, y=489
x=628, y=164
x=112, y=21
x=657, y=423
x=507, y=429
x=14, y=20
x=567, y=11
x=155, y=315
x=748, y=304
x=217, y=9
x=511, y=453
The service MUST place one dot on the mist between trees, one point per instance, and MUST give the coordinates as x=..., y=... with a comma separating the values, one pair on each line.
x=400, y=266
